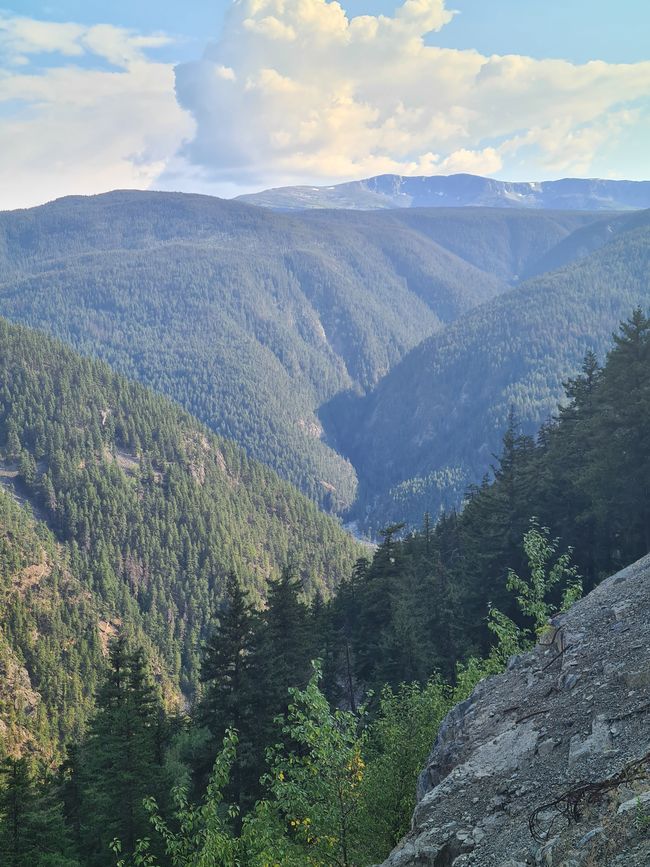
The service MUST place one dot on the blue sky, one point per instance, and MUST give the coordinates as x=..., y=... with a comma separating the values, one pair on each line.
x=577, y=30
x=225, y=98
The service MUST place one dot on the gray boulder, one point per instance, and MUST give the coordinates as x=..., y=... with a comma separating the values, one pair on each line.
x=575, y=710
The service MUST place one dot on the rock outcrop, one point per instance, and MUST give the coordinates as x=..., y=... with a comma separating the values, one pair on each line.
x=549, y=762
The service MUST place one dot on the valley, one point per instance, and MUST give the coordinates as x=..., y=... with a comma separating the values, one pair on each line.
x=258, y=469
x=282, y=332
x=324, y=434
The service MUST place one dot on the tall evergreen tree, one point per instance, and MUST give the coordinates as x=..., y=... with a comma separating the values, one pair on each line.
x=226, y=672
x=120, y=760
x=625, y=441
x=32, y=828
x=284, y=649
x=285, y=643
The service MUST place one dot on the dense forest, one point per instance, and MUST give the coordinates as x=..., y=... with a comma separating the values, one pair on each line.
x=253, y=320
x=433, y=424
x=50, y=643
x=152, y=509
x=281, y=762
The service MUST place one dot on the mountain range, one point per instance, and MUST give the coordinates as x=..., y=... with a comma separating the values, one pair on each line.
x=159, y=584
x=370, y=358
x=434, y=423
x=254, y=320
x=460, y=190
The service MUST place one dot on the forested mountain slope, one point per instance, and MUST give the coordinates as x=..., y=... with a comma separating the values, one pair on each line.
x=250, y=319
x=461, y=190
x=50, y=639
x=505, y=243
x=435, y=421
x=153, y=510
x=401, y=624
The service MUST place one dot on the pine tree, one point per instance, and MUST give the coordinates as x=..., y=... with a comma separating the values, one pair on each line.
x=32, y=829
x=285, y=643
x=624, y=445
x=226, y=661
x=120, y=759
x=17, y=800
x=375, y=587
x=226, y=672
x=282, y=659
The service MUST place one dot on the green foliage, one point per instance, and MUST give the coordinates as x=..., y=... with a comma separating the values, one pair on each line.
x=121, y=761
x=339, y=791
x=31, y=821
x=585, y=476
x=250, y=320
x=641, y=817
x=204, y=836
x=400, y=617
x=226, y=660
x=397, y=744
x=532, y=593
x=49, y=643
x=162, y=533
x=249, y=665
x=509, y=637
x=316, y=782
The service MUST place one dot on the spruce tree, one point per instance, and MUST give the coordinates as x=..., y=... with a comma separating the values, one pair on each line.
x=624, y=444
x=226, y=672
x=282, y=659
x=285, y=642
x=119, y=760
x=32, y=828
x=17, y=801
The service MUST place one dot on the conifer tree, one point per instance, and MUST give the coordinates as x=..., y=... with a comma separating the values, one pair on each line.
x=285, y=642
x=624, y=444
x=32, y=829
x=282, y=659
x=226, y=661
x=226, y=671
x=119, y=761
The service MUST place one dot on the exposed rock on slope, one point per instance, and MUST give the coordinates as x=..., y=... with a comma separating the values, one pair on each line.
x=574, y=710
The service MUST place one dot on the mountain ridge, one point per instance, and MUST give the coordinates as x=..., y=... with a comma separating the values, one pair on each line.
x=153, y=510
x=252, y=319
x=452, y=394
x=464, y=190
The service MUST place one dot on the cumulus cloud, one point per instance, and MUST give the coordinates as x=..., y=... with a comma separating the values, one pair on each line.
x=297, y=90
x=102, y=115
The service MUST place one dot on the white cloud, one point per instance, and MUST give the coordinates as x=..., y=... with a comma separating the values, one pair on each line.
x=20, y=37
x=312, y=94
x=72, y=129
x=297, y=91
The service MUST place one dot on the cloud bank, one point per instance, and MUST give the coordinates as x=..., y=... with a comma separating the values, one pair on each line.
x=95, y=112
x=295, y=90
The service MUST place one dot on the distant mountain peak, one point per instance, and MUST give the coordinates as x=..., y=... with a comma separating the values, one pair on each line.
x=459, y=190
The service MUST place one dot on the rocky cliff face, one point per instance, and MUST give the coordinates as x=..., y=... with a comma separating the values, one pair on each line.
x=549, y=763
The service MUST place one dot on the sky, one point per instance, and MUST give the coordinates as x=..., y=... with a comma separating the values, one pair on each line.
x=229, y=97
